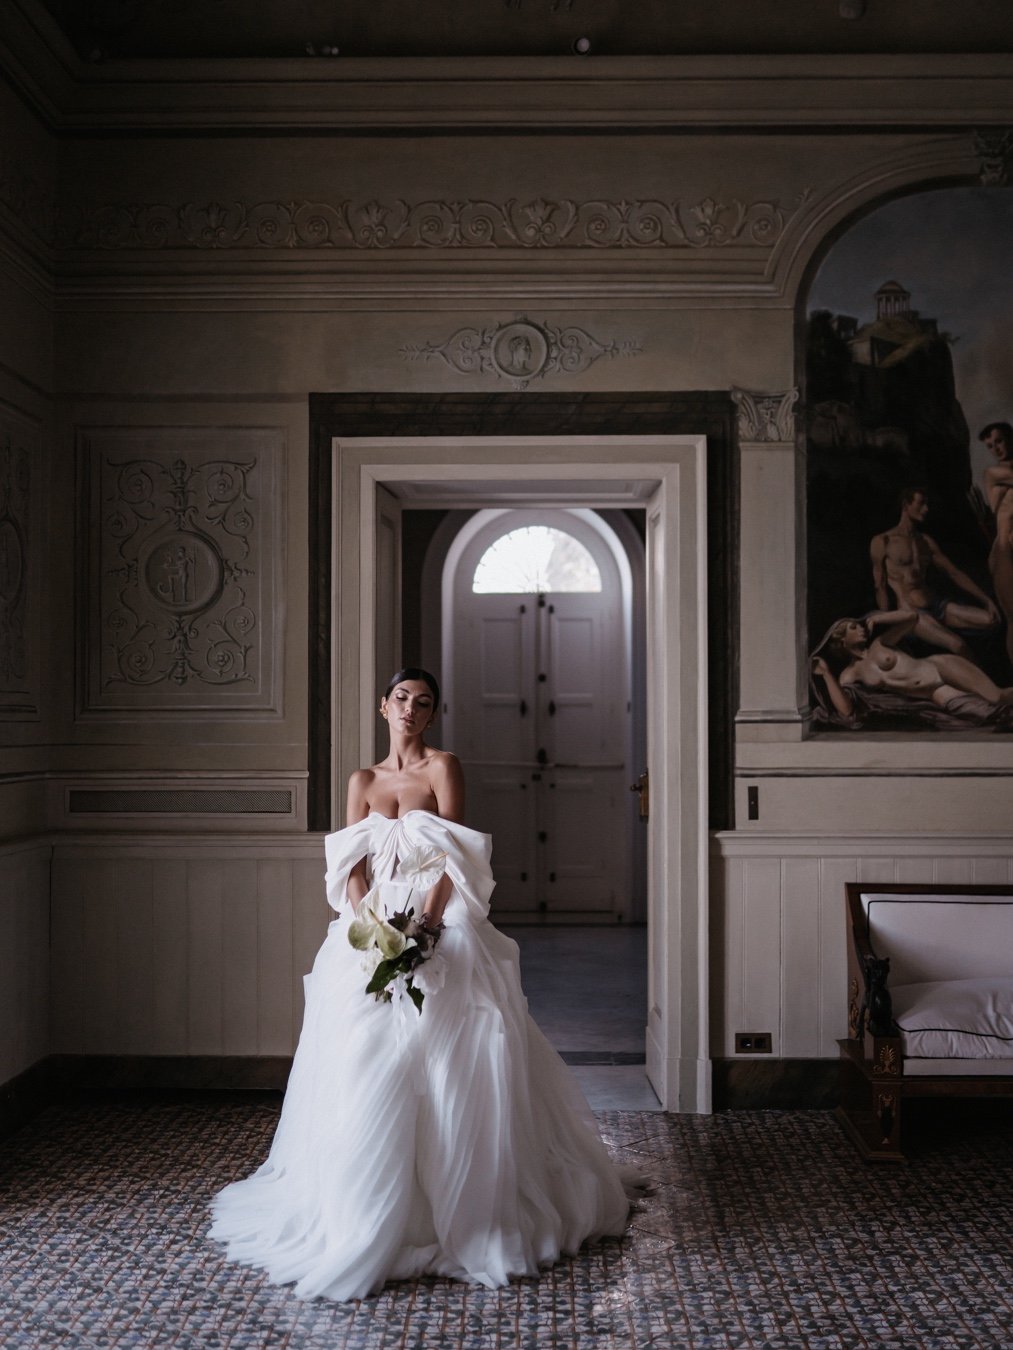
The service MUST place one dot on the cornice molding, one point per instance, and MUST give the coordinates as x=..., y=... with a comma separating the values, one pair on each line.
x=606, y=94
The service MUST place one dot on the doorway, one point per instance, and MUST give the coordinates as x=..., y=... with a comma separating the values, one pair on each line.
x=537, y=610
x=591, y=449
x=665, y=476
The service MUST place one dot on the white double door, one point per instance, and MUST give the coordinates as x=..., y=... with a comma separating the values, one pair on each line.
x=541, y=716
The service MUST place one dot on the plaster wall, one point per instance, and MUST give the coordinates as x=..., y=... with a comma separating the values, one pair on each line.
x=26, y=374
x=24, y=957
x=201, y=288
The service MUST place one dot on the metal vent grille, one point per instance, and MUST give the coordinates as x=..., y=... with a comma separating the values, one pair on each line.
x=182, y=801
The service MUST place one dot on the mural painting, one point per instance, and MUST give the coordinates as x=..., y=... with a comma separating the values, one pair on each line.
x=909, y=405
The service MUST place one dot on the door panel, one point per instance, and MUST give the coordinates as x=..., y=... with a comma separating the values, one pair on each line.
x=585, y=855
x=494, y=680
x=586, y=688
x=501, y=802
x=541, y=722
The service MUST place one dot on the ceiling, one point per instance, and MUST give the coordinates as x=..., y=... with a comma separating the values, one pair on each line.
x=345, y=29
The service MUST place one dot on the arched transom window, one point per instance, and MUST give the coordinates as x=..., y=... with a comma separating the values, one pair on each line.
x=535, y=558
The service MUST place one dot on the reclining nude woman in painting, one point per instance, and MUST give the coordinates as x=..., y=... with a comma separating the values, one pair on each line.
x=428, y=1127
x=861, y=666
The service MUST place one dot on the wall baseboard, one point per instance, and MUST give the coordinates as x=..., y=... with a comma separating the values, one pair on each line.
x=25, y=1095
x=143, y=1073
x=738, y=1085
x=774, y=1084
x=58, y=1077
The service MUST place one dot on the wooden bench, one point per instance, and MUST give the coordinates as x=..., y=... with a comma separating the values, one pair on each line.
x=930, y=1004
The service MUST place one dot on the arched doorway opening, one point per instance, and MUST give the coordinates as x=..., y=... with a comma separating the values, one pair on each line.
x=541, y=613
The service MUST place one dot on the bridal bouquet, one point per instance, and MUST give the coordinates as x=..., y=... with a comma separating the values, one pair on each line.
x=397, y=946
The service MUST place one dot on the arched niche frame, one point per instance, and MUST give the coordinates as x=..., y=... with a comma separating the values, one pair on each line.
x=949, y=163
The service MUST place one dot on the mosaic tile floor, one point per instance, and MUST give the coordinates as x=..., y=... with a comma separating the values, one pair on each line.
x=763, y=1230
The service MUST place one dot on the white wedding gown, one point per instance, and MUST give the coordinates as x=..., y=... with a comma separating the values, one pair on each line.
x=448, y=1142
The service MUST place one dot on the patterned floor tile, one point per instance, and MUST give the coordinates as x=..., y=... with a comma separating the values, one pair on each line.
x=761, y=1230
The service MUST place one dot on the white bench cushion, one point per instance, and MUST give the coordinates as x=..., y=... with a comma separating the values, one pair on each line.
x=956, y=1019
x=941, y=937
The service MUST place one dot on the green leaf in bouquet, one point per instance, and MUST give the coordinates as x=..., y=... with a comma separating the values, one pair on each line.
x=416, y=995
x=382, y=976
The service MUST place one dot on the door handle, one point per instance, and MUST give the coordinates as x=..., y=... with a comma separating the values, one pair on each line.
x=524, y=708
x=643, y=787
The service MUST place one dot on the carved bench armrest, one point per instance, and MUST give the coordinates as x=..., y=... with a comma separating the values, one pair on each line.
x=870, y=1007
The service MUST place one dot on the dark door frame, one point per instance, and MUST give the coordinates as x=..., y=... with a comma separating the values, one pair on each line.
x=709, y=413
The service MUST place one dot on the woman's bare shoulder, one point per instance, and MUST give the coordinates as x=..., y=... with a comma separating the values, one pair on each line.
x=360, y=788
x=444, y=761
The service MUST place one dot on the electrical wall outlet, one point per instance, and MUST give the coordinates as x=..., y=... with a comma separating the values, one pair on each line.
x=753, y=1043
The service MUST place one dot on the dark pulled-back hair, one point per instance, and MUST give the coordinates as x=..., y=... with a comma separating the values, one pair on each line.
x=414, y=673
x=1004, y=427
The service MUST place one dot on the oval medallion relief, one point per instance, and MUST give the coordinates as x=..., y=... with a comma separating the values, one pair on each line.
x=183, y=572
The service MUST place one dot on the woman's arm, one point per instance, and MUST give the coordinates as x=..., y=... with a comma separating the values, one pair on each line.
x=448, y=785
x=357, y=809
x=841, y=701
x=447, y=781
x=898, y=623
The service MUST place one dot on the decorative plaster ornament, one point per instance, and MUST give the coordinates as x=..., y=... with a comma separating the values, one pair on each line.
x=994, y=150
x=520, y=351
x=541, y=223
x=766, y=417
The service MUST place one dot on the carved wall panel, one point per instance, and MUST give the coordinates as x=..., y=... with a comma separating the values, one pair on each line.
x=184, y=563
x=19, y=695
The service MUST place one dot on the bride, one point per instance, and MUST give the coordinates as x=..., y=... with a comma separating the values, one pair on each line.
x=448, y=1139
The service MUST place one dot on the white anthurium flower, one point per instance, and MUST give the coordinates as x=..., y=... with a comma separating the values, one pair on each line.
x=370, y=930
x=423, y=866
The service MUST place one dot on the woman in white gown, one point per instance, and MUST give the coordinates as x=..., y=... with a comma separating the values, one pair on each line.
x=447, y=1141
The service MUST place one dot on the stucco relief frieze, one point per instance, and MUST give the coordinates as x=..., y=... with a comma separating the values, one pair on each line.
x=181, y=541
x=15, y=532
x=24, y=198
x=765, y=417
x=539, y=223
x=520, y=351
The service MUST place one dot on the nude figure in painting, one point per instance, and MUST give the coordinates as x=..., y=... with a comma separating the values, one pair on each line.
x=998, y=437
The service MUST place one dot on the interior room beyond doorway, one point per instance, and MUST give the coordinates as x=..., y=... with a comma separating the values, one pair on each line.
x=534, y=619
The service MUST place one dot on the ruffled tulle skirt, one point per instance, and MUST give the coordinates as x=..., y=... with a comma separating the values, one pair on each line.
x=452, y=1142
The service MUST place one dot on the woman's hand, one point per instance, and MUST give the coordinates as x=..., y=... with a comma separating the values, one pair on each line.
x=436, y=902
